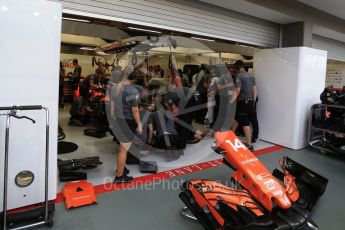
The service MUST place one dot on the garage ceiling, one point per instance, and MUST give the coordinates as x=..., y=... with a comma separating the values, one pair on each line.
x=289, y=11
x=334, y=7
x=254, y=10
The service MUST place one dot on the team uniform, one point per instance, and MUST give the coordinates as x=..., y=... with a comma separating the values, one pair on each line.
x=125, y=124
x=245, y=99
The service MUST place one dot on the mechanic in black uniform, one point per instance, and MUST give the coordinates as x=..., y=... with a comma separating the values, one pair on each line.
x=201, y=88
x=246, y=97
x=254, y=121
x=180, y=102
x=76, y=76
x=61, y=85
x=253, y=114
x=92, y=81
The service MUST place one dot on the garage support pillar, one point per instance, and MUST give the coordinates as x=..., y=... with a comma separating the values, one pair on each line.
x=297, y=34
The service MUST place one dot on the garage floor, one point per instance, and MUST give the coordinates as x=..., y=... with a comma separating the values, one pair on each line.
x=105, y=148
x=157, y=206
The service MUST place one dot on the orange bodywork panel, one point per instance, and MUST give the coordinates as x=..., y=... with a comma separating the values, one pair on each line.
x=214, y=191
x=209, y=193
x=78, y=194
x=251, y=173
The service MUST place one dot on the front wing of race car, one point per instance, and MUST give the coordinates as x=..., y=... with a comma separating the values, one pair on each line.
x=216, y=212
x=311, y=185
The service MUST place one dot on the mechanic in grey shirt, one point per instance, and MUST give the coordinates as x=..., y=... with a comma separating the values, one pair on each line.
x=226, y=87
x=116, y=78
x=246, y=96
x=127, y=121
x=227, y=96
x=245, y=83
x=125, y=100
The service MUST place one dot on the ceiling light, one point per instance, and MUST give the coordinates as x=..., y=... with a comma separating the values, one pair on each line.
x=75, y=19
x=246, y=46
x=204, y=39
x=86, y=48
x=99, y=52
x=152, y=31
x=36, y=13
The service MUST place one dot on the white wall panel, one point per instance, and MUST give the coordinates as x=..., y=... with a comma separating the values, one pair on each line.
x=289, y=82
x=186, y=16
x=29, y=74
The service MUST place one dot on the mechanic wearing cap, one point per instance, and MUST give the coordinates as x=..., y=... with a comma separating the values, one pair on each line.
x=246, y=96
x=92, y=81
x=127, y=121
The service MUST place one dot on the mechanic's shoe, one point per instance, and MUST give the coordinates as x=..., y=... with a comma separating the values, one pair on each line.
x=78, y=123
x=206, y=122
x=116, y=140
x=181, y=151
x=172, y=155
x=250, y=147
x=123, y=179
x=177, y=154
x=193, y=141
x=239, y=133
x=75, y=122
x=145, y=150
x=126, y=171
x=255, y=139
x=144, y=153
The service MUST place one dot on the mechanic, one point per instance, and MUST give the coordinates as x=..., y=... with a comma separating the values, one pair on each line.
x=201, y=85
x=76, y=76
x=180, y=102
x=226, y=96
x=246, y=97
x=80, y=112
x=211, y=115
x=92, y=81
x=175, y=78
x=61, y=85
x=127, y=121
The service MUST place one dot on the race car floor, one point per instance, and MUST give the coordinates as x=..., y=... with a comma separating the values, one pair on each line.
x=156, y=206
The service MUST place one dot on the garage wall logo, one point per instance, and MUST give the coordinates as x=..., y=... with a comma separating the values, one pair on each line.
x=170, y=108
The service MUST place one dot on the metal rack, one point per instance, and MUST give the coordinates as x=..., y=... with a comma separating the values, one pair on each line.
x=42, y=214
x=317, y=135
